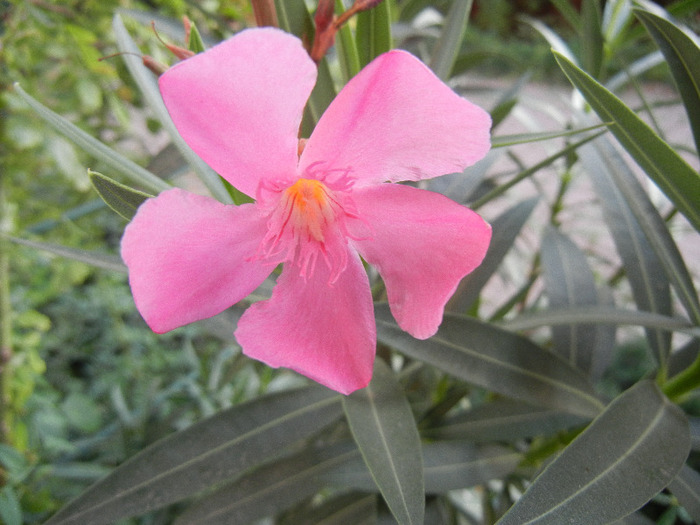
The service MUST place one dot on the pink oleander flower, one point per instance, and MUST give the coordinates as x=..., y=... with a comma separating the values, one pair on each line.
x=317, y=211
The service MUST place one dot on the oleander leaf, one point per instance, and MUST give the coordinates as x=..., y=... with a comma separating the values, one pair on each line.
x=627, y=455
x=386, y=434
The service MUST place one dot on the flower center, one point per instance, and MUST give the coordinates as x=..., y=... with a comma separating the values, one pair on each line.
x=307, y=219
x=307, y=201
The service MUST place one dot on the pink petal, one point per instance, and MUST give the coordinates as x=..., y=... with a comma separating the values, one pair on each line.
x=397, y=121
x=239, y=104
x=423, y=245
x=323, y=331
x=188, y=257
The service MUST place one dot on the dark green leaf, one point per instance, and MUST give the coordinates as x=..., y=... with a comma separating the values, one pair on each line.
x=665, y=167
x=268, y=490
x=653, y=226
x=386, y=434
x=121, y=198
x=600, y=315
x=644, y=270
x=569, y=282
x=503, y=420
x=497, y=360
x=373, y=33
x=628, y=454
x=96, y=259
x=448, y=45
x=505, y=229
x=591, y=37
x=683, y=57
x=94, y=147
x=448, y=465
x=196, y=43
x=686, y=487
x=214, y=450
x=352, y=508
x=346, y=47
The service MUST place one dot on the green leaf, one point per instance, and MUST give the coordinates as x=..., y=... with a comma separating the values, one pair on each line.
x=505, y=421
x=665, y=167
x=683, y=57
x=686, y=487
x=346, y=47
x=121, y=198
x=385, y=432
x=268, y=490
x=211, y=451
x=10, y=509
x=505, y=229
x=147, y=83
x=628, y=454
x=196, y=43
x=569, y=282
x=504, y=141
x=591, y=37
x=94, y=147
x=601, y=315
x=448, y=45
x=98, y=260
x=448, y=465
x=353, y=508
x=373, y=33
x=497, y=360
x=654, y=227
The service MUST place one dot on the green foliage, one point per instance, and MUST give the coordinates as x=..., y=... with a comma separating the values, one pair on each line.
x=570, y=349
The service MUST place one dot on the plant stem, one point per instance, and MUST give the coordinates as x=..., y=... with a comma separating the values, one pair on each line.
x=683, y=382
x=5, y=305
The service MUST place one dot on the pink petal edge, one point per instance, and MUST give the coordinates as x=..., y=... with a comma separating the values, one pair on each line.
x=423, y=245
x=239, y=104
x=325, y=332
x=188, y=257
x=397, y=121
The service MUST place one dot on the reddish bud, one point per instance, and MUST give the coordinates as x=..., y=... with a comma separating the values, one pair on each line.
x=324, y=15
x=188, y=29
x=152, y=64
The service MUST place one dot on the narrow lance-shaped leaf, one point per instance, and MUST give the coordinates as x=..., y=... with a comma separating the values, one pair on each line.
x=497, y=360
x=449, y=465
x=211, y=451
x=683, y=57
x=354, y=508
x=121, y=198
x=600, y=315
x=385, y=432
x=94, y=147
x=569, y=282
x=591, y=37
x=628, y=454
x=448, y=45
x=270, y=489
x=373, y=33
x=644, y=271
x=665, y=167
x=503, y=420
x=98, y=260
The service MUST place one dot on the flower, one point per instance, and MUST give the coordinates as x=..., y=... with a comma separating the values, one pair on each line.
x=239, y=106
